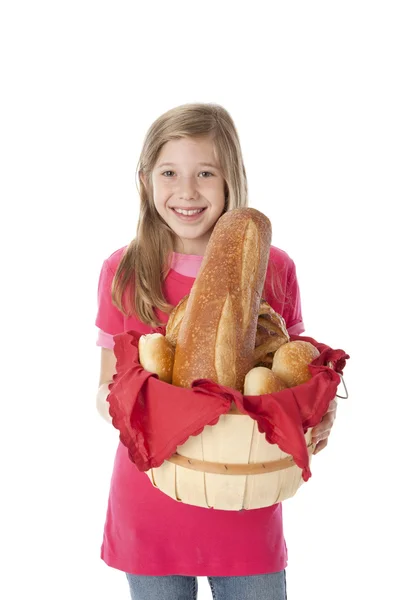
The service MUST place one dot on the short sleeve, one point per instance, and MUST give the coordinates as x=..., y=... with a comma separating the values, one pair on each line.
x=105, y=340
x=292, y=313
x=109, y=319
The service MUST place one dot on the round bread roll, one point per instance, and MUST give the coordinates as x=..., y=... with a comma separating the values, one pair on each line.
x=156, y=355
x=291, y=362
x=262, y=380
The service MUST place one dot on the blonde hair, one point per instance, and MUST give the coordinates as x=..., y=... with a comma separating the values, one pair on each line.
x=144, y=265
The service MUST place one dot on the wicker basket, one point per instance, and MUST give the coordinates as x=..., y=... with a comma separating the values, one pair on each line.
x=230, y=466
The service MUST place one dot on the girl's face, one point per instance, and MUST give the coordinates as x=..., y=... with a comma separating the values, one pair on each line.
x=188, y=190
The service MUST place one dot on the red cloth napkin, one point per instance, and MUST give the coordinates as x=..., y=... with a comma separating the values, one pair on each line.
x=154, y=417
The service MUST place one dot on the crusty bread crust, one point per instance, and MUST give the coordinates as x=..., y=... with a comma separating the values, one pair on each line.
x=217, y=333
x=271, y=332
x=291, y=362
x=175, y=320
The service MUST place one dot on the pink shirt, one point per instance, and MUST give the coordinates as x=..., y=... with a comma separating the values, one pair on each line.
x=147, y=532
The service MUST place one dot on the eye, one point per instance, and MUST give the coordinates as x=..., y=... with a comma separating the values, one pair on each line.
x=207, y=172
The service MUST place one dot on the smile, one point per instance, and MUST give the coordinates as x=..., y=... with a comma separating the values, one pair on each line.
x=188, y=213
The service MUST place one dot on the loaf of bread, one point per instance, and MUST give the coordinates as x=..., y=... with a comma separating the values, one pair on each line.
x=217, y=333
x=175, y=320
x=156, y=355
x=262, y=380
x=291, y=360
x=271, y=330
x=271, y=333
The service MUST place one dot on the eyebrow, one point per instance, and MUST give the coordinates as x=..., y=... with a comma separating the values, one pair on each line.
x=170, y=164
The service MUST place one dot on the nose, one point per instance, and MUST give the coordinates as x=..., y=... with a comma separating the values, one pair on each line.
x=187, y=188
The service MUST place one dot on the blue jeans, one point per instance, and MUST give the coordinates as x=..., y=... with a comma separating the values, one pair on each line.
x=179, y=587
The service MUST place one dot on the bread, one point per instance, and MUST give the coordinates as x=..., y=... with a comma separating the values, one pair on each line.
x=271, y=333
x=271, y=330
x=175, y=320
x=217, y=333
x=156, y=355
x=261, y=380
x=272, y=320
x=290, y=362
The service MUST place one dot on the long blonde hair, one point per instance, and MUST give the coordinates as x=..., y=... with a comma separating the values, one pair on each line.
x=144, y=265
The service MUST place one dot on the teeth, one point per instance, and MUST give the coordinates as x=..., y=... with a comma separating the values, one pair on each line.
x=181, y=211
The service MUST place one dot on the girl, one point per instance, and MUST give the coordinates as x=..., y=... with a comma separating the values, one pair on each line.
x=191, y=172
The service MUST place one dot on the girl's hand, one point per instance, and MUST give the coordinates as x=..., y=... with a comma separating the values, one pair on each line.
x=320, y=432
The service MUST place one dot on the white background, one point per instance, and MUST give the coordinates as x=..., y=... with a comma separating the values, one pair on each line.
x=313, y=88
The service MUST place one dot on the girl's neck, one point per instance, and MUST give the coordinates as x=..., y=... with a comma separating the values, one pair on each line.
x=193, y=247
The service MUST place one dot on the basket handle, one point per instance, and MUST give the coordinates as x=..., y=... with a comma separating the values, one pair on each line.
x=330, y=365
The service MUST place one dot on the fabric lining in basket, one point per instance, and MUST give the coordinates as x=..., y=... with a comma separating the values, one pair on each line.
x=154, y=417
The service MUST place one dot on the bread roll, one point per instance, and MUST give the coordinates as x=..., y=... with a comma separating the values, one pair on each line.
x=291, y=362
x=156, y=355
x=271, y=333
x=261, y=380
x=217, y=335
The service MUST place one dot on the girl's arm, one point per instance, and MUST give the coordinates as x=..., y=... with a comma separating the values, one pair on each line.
x=107, y=370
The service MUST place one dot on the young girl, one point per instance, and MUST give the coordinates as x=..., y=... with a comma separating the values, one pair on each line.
x=191, y=172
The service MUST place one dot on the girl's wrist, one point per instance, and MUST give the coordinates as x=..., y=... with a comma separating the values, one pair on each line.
x=101, y=401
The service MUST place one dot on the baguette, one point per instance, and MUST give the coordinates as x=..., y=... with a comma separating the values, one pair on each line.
x=217, y=333
x=270, y=334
